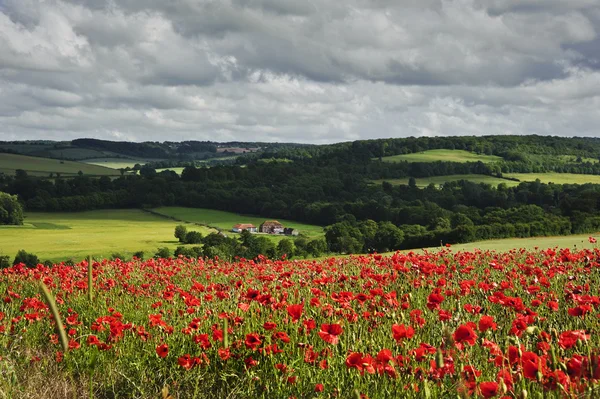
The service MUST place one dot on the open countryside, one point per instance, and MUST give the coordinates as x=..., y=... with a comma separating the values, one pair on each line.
x=225, y=221
x=439, y=180
x=62, y=236
x=115, y=163
x=443, y=155
x=43, y=167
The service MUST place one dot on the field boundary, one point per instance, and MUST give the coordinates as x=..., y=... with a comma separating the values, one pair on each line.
x=162, y=215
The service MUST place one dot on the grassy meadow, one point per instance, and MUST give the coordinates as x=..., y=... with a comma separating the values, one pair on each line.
x=438, y=180
x=61, y=236
x=226, y=220
x=35, y=166
x=115, y=163
x=558, y=178
x=443, y=155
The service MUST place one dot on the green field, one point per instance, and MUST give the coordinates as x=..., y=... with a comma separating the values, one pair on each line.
x=44, y=166
x=443, y=155
x=226, y=220
x=558, y=178
x=504, y=245
x=115, y=163
x=439, y=180
x=61, y=236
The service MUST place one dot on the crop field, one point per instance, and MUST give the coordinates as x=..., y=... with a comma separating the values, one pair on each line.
x=115, y=163
x=44, y=166
x=62, y=236
x=439, y=180
x=443, y=155
x=522, y=324
x=558, y=178
x=226, y=220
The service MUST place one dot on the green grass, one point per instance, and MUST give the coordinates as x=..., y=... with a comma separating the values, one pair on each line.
x=558, y=178
x=44, y=166
x=115, y=163
x=60, y=236
x=439, y=180
x=579, y=240
x=443, y=155
x=226, y=220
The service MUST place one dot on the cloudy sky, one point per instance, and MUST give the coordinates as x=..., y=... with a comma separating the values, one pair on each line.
x=297, y=70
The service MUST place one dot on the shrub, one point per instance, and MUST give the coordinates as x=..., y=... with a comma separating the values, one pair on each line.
x=139, y=255
x=181, y=233
x=163, y=252
x=193, y=237
x=30, y=260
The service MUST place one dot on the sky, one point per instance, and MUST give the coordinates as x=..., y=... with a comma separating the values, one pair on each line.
x=309, y=71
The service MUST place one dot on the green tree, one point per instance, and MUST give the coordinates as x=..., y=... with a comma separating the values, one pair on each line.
x=193, y=237
x=180, y=232
x=317, y=247
x=30, y=260
x=285, y=247
x=11, y=211
x=163, y=252
x=4, y=261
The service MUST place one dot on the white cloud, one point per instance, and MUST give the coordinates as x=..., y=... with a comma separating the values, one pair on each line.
x=315, y=71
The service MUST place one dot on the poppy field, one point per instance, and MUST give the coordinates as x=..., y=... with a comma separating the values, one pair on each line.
x=520, y=324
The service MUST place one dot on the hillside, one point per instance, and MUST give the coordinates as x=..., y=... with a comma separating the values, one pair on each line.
x=44, y=167
x=442, y=155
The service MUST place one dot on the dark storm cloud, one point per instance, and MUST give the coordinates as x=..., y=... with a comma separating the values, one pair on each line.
x=311, y=71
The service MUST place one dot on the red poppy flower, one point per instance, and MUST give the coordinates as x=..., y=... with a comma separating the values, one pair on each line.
x=487, y=322
x=162, y=350
x=319, y=388
x=465, y=333
x=330, y=333
x=531, y=365
x=401, y=332
x=568, y=339
x=186, y=361
x=281, y=336
x=488, y=389
x=354, y=360
x=295, y=311
x=269, y=325
x=253, y=341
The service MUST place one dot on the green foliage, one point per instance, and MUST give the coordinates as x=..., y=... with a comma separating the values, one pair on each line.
x=285, y=247
x=181, y=232
x=193, y=237
x=11, y=211
x=163, y=252
x=4, y=261
x=29, y=259
x=118, y=255
x=139, y=255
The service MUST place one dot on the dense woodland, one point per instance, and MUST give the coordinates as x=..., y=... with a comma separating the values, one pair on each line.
x=329, y=186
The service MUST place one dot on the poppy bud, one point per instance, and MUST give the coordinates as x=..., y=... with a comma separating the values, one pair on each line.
x=439, y=359
x=448, y=339
x=503, y=387
x=524, y=394
x=531, y=330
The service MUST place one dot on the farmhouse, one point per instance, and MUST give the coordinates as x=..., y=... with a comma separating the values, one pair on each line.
x=271, y=227
x=238, y=228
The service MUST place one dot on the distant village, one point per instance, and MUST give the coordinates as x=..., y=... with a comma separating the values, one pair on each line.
x=267, y=227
